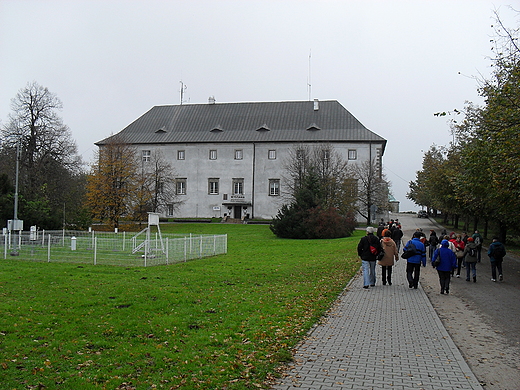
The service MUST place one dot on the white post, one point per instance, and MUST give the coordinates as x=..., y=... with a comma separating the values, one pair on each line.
x=166, y=250
x=124, y=238
x=214, y=245
x=146, y=244
x=49, y=249
x=95, y=250
x=43, y=238
x=185, y=238
x=5, y=247
x=200, y=246
x=63, y=238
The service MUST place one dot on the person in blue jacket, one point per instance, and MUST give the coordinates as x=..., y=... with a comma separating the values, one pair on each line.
x=447, y=265
x=413, y=265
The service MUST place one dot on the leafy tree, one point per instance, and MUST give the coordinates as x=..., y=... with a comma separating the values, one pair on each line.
x=113, y=181
x=6, y=199
x=483, y=161
x=49, y=164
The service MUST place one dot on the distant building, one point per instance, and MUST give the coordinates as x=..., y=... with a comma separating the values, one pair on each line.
x=394, y=204
x=228, y=158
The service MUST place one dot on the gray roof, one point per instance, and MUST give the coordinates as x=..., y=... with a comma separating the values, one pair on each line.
x=293, y=121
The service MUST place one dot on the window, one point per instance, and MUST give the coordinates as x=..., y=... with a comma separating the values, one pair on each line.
x=170, y=209
x=213, y=186
x=238, y=186
x=352, y=154
x=212, y=154
x=146, y=155
x=239, y=154
x=180, y=186
x=181, y=154
x=274, y=187
x=325, y=154
x=271, y=155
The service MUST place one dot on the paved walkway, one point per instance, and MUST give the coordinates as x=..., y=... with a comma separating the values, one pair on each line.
x=386, y=337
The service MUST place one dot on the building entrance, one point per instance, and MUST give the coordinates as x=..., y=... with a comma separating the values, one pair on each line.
x=237, y=212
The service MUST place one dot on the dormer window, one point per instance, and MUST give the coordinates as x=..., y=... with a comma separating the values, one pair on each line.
x=161, y=130
x=313, y=127
x=217, y=129
x=263, y=128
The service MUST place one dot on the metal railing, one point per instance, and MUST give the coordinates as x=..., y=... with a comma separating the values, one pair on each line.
x=110, y=248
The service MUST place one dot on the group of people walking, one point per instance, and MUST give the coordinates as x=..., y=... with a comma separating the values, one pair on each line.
x=447, y=254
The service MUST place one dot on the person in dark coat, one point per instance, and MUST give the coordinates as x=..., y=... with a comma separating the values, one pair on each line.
x=470, y=258
x=496, y=253
x=448, y=262
x=397, y=235
x=368, y=258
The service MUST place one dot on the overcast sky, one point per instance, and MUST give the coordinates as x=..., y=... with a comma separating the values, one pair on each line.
x=392, y=64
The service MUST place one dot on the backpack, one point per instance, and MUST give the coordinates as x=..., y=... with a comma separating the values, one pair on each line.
x=434, y=240
x=410, y=251
x=477, y=240
x=498, y=251
x=472, y=252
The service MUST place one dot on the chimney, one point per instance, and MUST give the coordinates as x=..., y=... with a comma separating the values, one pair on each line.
x=211, y=100
x=316, y=105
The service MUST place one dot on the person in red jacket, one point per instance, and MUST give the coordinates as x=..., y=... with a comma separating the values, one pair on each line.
x=459, y=252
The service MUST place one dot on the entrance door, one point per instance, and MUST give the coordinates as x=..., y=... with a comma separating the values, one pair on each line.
x=237, y=212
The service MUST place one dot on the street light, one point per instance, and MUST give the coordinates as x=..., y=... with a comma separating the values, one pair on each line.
x=16, y=224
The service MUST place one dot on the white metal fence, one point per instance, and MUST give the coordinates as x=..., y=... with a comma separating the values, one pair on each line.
x=124, y=249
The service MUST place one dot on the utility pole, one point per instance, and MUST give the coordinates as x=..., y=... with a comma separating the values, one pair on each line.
x=15, y=224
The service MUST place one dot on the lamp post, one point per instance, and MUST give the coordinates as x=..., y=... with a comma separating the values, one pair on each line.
x=15, y=224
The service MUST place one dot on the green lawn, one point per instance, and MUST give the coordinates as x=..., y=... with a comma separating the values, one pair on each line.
x=223, y=322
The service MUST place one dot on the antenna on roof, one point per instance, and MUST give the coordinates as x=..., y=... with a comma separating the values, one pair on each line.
x=309, y=85
x=183, y=88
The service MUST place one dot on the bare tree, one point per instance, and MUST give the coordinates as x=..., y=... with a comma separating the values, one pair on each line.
x=49, y=162
x=156, y=186
x=326, y=163
x=373, y=189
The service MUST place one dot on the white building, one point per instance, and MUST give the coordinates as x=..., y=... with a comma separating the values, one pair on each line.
x=228, y=158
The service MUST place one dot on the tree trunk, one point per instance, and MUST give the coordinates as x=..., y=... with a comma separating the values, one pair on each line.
x=475, y=223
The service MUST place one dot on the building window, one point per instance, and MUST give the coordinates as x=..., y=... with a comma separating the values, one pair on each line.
x=274, y=187
x=213, y=186
x=238, y=186
x=212, y=154
x=146, y=155
x=325, y=154
x=169, y=209
x=181, y=155
x=239, y=155
x=272, y=155
x=352, y=154
x=180, y=186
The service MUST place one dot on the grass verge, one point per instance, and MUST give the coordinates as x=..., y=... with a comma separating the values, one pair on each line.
x=225, y=322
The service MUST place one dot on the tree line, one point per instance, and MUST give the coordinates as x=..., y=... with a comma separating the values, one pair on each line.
x=477, y=176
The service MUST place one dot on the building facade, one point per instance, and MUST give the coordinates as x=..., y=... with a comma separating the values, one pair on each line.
x=230, y=159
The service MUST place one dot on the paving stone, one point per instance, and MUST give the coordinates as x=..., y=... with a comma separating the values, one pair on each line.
x=383, y=337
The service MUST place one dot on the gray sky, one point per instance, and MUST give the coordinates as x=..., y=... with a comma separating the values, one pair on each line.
x=392, y=64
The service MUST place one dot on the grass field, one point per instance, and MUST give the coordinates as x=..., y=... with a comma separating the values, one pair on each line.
x=224, y=322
